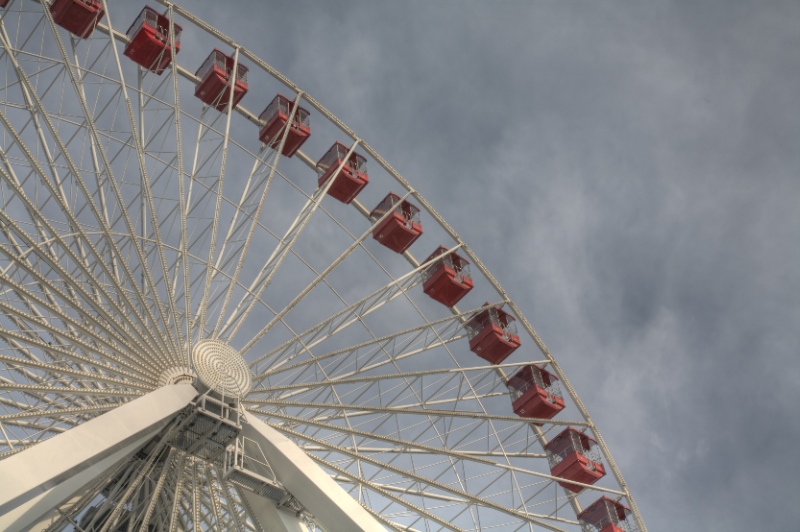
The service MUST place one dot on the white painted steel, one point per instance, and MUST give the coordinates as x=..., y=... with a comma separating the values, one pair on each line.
x=137, y=224
x=312, y=486
x=41, y=478
x=269, y=517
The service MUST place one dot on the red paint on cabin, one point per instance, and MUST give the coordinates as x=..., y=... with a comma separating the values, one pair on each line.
x=275, y=117
x=149, y=44
x=448, y=279
x=536, y=393
x=352, y=178
x=78, y=17
x=607, y=515
x=573, y=456
x=492, y=334
x=401, y=227
x=214, y=74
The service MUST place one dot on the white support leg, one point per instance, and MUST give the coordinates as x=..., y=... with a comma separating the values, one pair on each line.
x=268, y=516
x=39, y=479
x=333, y=507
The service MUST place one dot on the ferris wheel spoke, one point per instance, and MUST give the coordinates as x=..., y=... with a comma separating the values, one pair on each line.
x=64, y=208
x=146, y=190
x=68, y=512
x=198, y=201
x=182, y=203
x=194, y=496
x=481, y=455
x=349, y=478
x=431, y=484
x=46, y=231
x=34, y=304
x=345, y=317
x=65, y=370
x=220, y=182
x=56, y=413
x=224, y=508
x=174, y=516
x=135, y=478
x=273, y=167
x=28, y=376
x=385, y=351
x=321, y=276
x=29, y=401
x=75, y=327
x=212, y=495
x=112, y=182
x=406, y=445
x=401, y=344
x=49, y=289
x=240, y=217
x=459, y=374
x=392, y=493
x=30, y=439
x=262, y=280
x=410, y=409
x=29, y=328
x=71, y=326
x=65, y=391
x=24, y=338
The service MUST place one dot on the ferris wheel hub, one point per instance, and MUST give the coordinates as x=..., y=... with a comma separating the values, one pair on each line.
x=177, y=375
x=221, y=368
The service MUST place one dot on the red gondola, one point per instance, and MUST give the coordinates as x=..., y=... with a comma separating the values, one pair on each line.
x=215, y=73
x=492, y=334
x=448, y=279
x=275, y=117
x=78, y=17
x=351, y=180
x=149, y=44
x=606, y=515
x=573, y=456
x=401, y=228
x=536, y=393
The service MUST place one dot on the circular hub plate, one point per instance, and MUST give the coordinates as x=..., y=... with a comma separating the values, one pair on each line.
x=221, y=368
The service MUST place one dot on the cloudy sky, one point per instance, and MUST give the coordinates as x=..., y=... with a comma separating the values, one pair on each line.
x=630, y=172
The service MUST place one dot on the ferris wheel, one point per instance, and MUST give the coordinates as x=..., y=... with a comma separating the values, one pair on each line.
x=215, y=317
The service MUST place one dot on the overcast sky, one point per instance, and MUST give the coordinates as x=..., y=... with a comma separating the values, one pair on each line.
x=630, y=172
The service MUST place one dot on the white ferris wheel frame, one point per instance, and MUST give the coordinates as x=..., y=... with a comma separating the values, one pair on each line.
x=63, y=470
